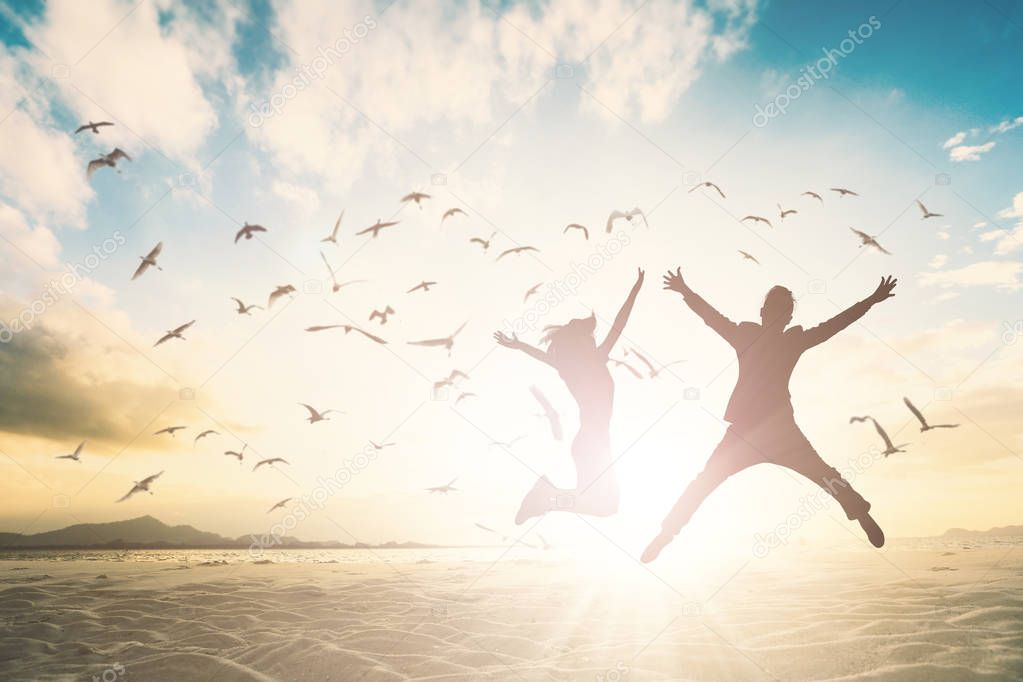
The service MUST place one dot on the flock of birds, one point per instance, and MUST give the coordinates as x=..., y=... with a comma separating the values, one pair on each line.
x=889, y=447
x=646, y=370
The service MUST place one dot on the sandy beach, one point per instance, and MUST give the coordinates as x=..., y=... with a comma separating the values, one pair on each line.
x=909, y=613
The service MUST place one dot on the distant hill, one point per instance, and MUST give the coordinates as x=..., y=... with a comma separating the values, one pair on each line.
x=999, y=532
x=146, y=532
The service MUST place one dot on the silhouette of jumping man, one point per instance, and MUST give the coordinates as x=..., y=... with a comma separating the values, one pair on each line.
x=573, y=351
x=762, y=425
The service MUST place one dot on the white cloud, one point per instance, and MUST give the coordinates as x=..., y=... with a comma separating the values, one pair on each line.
x=38, y=244
x=1002, y=275
x=302, y=197
x=938, y=261
x=945, y=296
x=1007, y=125
x=1008, y=240
x=982, y=223
x=970, y=152
x=955, y=140
x=943, y=235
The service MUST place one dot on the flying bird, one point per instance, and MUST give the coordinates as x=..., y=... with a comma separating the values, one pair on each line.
x=335, y=285
x=924, y=426
x=376, y=227
x=74, y=455
x=531, y=290
x=654, y=372
x=517, y=250
x=506, y=443
x=270, y=462
x=816, y=196
x=889, y=449
x=424, y=285
x=843, y=192
x=170, y=430
x=463, y=396
x=447, y=342
x=577, y=226
x=785, y=212
x=282, y=290
x=207, y=432
x=94, y=127
x=417, y=197
x=544, y=545
x=869, y=241
x=443, y=489
x=315, y=416
x=626, y=365
x=749, y=256
x=927, y=214
x=451, y=212
x=757, y=219
x=451, y=379
x=628, y=215
x=175, y=333
x=332, y=237
x=149, y=260
x=380, y=446
x=348, y=328
x=247, y=231
x=381, y=314
x=485, y=243
x=279, y=504
x=110, y=160
x=244, y=309
x=706, y=183
x=548, y=412
x=141, y=486
x=239, y=455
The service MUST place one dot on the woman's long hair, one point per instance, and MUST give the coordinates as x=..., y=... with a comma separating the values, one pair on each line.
x=562, y=339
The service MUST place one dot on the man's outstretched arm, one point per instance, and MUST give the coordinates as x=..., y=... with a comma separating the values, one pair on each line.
x=826, y=330
x=722, y=325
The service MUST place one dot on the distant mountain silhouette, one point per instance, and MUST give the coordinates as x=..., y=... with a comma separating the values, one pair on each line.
x=146, y=532
x=999, y=532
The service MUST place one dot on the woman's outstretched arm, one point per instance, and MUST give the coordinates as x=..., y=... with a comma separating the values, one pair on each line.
x=623, y=316
x=514, y=343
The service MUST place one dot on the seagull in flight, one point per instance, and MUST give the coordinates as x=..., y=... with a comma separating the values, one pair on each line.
x=240, y=455
x=110, y=160
x=74, y=455
x=758, y=219
x=785, y=212
x=544, y=545
x=315, y=416
x=335, y=285
x=453, y=377
x=270, y=462
x=94, y=127
x=451, y=212
x=517, y=250
x=141, y=486
x=149, y=260
x=376, y=227
x=531, y=290
x=424, y=285
x=417, y=197
x=282, y=290
x=654, y=372
x=749, y=256
x=889, y=449
x=924, y=426
x=348, y=328
x=843, y=192
x=626, y=365
x=175, y=333
x=207, y=432
x=927, y=214
x=506, y=443
x=247, y=231
x=463, y=396
x=279, y=504
x=170, y=430
x=380, y=446
x=447, y=342
x=548, y=412
x=485, y=243
x=628, y=215
x=244, y=309
x=332, y=237
x=381, y=315
x=707, y=183
x=577, y=226
x=869, y=241
x=816, y=196
x=443, y=489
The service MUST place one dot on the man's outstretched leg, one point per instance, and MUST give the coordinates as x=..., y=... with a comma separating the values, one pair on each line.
x=728, y=458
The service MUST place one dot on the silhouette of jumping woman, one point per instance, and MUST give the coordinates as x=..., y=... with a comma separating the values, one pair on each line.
x=762, y=425
x=573, y=351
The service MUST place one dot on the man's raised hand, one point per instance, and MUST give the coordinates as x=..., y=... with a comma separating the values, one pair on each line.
x=884, y=289
x=507, y=341
x=673, y=281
